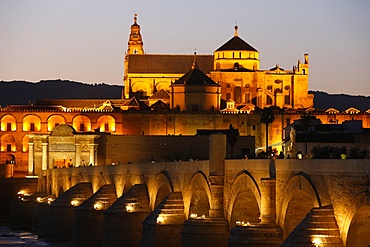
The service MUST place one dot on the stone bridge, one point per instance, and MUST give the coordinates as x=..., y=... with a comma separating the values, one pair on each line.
x=217, y=202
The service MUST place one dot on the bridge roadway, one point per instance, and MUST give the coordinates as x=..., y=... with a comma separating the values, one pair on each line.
x=216, y=202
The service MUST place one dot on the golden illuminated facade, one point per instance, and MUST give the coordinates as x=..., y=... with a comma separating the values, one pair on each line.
x=176, y=95
x=235, y=66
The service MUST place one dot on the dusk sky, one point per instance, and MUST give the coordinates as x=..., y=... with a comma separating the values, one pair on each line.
x=85, y=40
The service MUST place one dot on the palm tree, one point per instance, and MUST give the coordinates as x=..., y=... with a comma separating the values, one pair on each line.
x=267, y=117
x=232, y=138
x=306, y=120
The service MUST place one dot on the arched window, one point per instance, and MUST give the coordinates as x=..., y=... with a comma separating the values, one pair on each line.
x=31, y=123
x=107, y=123
x=8, y=123
x=54, y=121
x=8, y=143
x=82, y=123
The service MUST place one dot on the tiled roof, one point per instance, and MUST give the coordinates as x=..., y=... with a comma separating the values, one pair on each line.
x=33, y=108
x=161, y=94
x=79, y=103
x=167, y=64
x=195, y=77
x=236, y=44
x=159, y=105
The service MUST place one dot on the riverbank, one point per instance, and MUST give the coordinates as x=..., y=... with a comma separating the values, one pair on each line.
x=20, y=238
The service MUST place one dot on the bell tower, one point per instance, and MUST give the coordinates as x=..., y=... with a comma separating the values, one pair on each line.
x=135, y=42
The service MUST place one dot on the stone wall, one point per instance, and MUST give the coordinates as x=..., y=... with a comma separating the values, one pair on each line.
x=299, y=186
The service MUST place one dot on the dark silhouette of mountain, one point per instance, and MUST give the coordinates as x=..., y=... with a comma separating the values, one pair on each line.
x=23, y=93
x=340, y=102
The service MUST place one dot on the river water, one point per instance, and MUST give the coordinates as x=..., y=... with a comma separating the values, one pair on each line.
x=15, y=238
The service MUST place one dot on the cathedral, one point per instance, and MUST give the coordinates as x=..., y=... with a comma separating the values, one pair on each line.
x=165, y=95
x=234, y=67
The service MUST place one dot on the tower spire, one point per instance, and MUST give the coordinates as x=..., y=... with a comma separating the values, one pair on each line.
x=195, y=65
x=236, y=31
x=135, y=42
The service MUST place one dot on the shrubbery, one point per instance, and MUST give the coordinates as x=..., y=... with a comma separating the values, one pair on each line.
x=330, y=152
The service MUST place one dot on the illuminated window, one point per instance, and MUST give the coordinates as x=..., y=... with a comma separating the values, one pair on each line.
x=107, y=123
x=83, y=123
x=54, y=121
x=31, y=123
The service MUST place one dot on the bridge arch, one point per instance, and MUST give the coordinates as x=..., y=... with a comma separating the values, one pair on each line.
x=160, y=189
x=299, y=197
x=197, y=199
x=98, y=181
x=356, y=225
x=244, y=201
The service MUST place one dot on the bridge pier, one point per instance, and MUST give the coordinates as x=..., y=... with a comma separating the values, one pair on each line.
x=56, y=222
x=255, y=235
x=163, y=226
x=122, y=224
x=88, y=217
x=205, y=232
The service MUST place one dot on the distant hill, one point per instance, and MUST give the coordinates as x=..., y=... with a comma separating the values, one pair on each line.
x=340, y=102
x=23, y=93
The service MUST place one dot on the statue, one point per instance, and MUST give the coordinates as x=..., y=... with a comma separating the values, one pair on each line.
x=292, y=147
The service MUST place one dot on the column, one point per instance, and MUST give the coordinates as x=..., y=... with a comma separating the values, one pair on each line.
x=95, y=154
x=30, y=159
x=92, y=154
x=44, y=156
x=78, y=155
